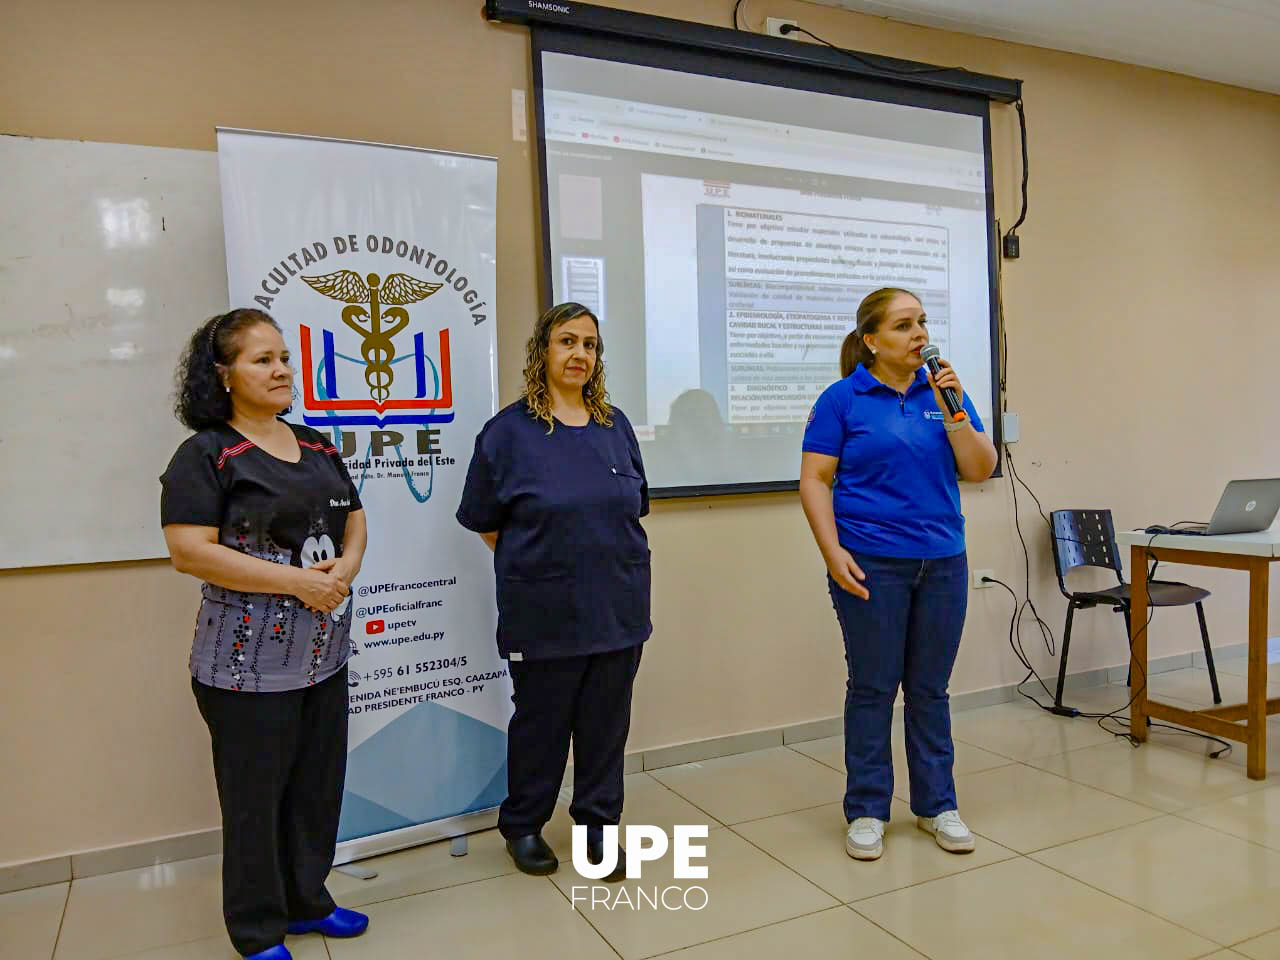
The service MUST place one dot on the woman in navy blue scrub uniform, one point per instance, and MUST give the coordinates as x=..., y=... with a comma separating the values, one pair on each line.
x=556, y=488
x=878, y=486
x=264, y=513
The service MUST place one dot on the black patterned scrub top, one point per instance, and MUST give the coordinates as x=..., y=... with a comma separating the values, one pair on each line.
x=293, y=513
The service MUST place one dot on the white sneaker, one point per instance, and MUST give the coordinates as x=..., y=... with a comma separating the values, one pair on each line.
x=949, y=831
x=865, y=839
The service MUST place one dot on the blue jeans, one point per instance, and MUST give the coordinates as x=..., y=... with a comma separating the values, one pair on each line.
x=906, y=634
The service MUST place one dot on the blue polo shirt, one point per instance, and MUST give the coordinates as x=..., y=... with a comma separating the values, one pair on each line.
x=572, y=562
x=895, y=492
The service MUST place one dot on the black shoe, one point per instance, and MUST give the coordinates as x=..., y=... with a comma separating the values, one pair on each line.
x=595, y=853
x=532, y=855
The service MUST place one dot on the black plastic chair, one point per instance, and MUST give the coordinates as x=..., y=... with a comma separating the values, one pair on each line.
x=1087, y=538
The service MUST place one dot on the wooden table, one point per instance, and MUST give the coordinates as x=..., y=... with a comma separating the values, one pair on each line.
x=1252, y=552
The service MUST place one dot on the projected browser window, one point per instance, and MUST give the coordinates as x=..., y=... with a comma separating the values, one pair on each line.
x=724, y=233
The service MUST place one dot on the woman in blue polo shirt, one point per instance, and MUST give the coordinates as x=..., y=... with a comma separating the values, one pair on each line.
x=556, y=488
x=878, y=486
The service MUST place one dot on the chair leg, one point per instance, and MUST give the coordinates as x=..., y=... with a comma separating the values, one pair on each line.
x=1062, y=659
x=1208, y=653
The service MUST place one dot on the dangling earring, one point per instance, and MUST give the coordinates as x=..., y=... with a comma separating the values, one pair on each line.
x=226, y=388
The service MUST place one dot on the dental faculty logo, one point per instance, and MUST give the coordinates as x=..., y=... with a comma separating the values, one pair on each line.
x=377, y=349
x=376, y=312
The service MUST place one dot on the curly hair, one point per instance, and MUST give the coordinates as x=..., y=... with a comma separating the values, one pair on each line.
x=537, y=394
x=200, y=398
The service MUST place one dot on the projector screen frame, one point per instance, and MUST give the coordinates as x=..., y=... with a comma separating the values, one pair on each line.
x=645, y=49
x=647, y=27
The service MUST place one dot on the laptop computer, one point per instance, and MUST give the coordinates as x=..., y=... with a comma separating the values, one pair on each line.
x=1246, y=506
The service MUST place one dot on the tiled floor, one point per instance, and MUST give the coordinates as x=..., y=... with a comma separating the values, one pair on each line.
x=1087, y=847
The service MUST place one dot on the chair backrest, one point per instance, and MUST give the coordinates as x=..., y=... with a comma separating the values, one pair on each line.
x=1083, y=538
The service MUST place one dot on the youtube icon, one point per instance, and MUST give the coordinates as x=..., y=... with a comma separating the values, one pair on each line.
x=375, y=626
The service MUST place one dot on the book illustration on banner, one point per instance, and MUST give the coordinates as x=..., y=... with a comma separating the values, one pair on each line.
x=371, y=302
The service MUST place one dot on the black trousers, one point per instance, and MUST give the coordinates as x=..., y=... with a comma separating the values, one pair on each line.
x=280, y=760
x=587, y=698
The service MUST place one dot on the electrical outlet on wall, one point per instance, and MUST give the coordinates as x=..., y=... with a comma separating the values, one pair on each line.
x=977, y=579
x=773, y=26
x=1012, y=428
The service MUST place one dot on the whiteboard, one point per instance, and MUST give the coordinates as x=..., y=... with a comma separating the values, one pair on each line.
x=110, y=256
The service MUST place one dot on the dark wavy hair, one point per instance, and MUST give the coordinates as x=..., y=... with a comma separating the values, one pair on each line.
x=200, y=398
x=537, y=393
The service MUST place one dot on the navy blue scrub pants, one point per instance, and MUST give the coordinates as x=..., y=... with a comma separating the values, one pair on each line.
x=907, y=634
x=280, y=760
x=587, y=698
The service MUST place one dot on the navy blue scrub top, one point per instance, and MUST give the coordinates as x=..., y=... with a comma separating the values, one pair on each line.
x=572, y=561
x=895, y=492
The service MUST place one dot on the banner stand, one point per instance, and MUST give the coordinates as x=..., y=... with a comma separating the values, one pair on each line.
x=378, y=262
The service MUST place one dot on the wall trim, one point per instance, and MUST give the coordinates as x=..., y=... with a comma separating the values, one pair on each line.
x=203, y=843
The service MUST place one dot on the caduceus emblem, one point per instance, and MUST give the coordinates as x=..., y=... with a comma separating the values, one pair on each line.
x=385, y=302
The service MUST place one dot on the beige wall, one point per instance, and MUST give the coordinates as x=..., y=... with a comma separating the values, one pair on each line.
x=1141, y=326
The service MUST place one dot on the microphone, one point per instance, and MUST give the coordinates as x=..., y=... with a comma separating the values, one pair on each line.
x=931, y=354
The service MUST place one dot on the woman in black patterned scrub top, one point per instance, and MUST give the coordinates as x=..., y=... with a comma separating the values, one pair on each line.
x=264, y=513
